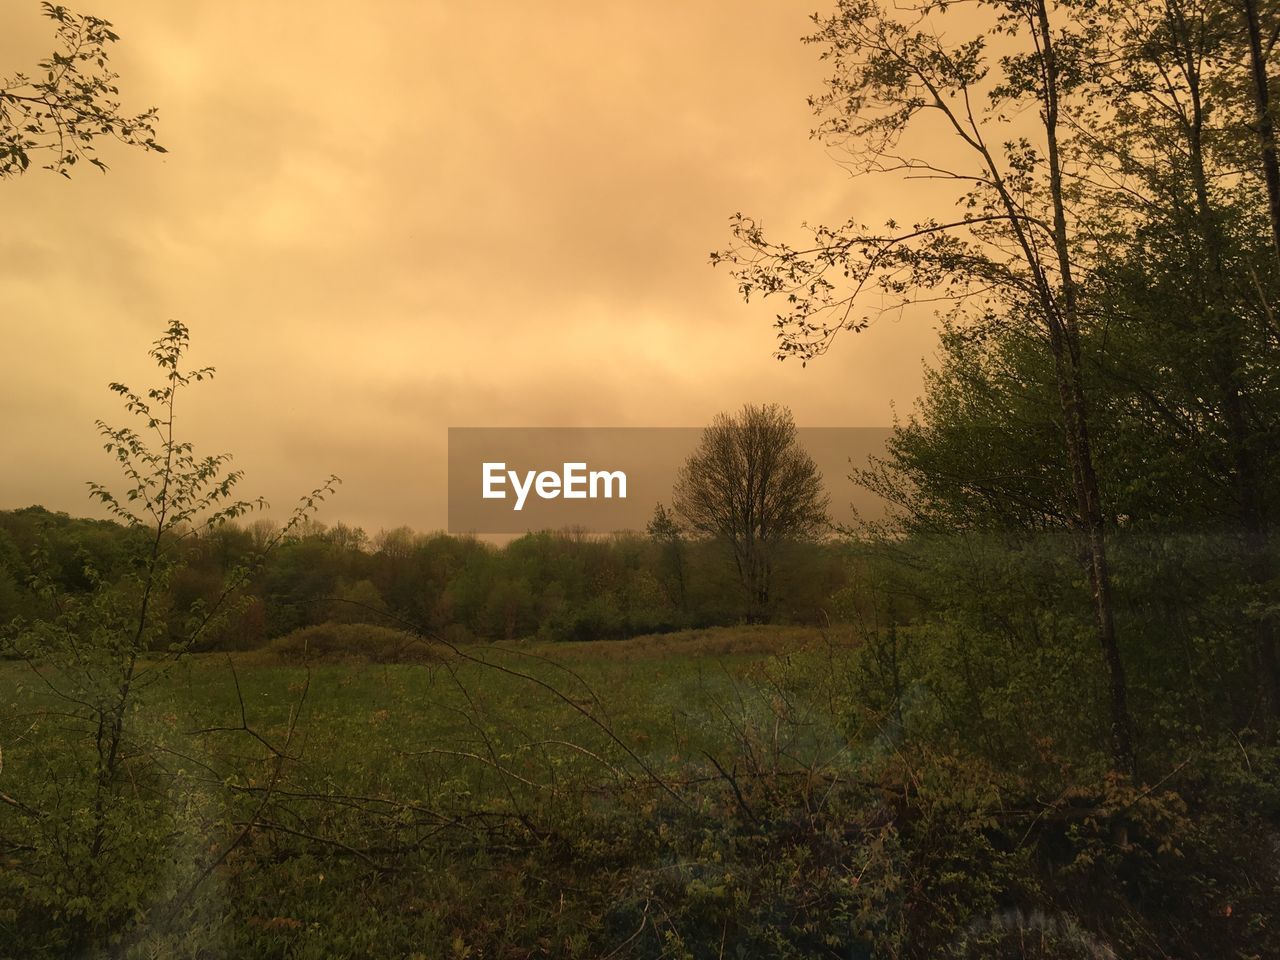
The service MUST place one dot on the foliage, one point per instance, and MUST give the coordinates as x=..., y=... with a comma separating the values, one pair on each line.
x=348, y=642
x=549, y=585
x=65, y=112
x=103, y=837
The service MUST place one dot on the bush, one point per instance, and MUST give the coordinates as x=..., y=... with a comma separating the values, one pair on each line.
x=352, y=642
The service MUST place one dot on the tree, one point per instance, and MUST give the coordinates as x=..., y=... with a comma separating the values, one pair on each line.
x=1013, y=250
x=1264, y=127
x=63, y=113
x=664, y=530
x=751, y=486
x=99, y=841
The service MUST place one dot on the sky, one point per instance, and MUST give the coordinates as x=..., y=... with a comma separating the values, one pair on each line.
x=386, y=219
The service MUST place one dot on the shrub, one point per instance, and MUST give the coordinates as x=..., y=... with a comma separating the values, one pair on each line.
x=352, y=642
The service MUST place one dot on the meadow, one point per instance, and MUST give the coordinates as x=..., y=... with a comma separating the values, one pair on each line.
x=509, y=799
x=352, y=790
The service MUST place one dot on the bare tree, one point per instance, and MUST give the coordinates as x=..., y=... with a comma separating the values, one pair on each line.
x=752, y=486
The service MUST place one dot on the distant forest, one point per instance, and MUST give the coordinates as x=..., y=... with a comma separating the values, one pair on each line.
x=548, y=585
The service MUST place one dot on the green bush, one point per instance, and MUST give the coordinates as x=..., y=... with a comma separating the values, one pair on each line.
x=351, y=642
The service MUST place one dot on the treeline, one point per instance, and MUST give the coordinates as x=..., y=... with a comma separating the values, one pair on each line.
x=552, y=586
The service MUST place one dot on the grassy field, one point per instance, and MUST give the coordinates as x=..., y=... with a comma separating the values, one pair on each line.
x=729, y=792
x=380, y=726
x=475, y=796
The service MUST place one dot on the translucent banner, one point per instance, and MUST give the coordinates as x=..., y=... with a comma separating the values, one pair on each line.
x=508, y=480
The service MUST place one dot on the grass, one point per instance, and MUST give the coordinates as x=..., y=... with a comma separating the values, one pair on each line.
x=709, y=793
x=499, y=736
x=365, y=721
x=371, y=726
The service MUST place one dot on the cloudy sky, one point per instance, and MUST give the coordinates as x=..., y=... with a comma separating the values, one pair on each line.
x=385, y=219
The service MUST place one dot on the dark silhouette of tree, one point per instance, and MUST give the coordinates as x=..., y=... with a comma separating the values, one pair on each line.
x=752, y=486
x=1264, y=126
x=664, y=530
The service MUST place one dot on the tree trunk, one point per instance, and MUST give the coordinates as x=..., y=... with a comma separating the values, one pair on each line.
x=1064, y=332
x=1265, y=129
x=1247, y=481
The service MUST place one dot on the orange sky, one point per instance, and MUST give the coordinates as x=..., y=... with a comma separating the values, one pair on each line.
x=423, y=215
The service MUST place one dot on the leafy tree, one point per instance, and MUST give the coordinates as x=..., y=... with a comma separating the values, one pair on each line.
x=751, y=486
x=1012, y=257
x=1191, y=292
x=70, y=104
x=664, y=530
x=99, y=841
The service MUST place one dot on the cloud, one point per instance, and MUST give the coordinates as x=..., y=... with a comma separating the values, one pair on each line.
x=386, y=220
